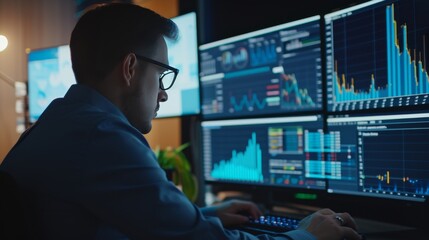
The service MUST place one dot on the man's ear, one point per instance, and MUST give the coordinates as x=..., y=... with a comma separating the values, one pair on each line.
x=129, y=65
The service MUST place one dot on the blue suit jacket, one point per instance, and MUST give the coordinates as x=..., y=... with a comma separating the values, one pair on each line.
x=88, y=174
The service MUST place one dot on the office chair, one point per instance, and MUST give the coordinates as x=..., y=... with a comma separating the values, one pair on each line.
x=13, y=222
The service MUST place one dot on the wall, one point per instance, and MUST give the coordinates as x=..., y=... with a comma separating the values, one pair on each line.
x=27, y=24
x=166, y=8
x=10, y=26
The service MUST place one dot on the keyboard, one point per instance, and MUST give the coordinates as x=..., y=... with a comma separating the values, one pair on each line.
x=270, y=224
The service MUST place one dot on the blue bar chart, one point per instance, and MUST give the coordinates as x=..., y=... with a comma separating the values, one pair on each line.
x=245, y=165
x=376, y=61
x=264, y=151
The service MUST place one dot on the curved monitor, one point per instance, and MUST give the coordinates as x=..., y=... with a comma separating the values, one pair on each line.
x=270, y=71
x=270, y=152
x=377, y=56
x=379, y=155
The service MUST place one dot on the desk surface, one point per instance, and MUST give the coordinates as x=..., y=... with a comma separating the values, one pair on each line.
x=375, y=230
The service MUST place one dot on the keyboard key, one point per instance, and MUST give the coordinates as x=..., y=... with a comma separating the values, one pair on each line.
x=271, y=223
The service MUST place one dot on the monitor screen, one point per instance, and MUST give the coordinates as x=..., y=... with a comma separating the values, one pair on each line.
x=50, y=75
x=270, y=71
x=379, y=155
x=376, y=55
x=184, y=96
x=277, y=152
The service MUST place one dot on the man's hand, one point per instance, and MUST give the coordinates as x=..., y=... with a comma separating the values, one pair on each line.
x=234, y=212
x=325, y=224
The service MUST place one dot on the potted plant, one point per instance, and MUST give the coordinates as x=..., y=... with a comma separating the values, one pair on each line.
x=178, y=169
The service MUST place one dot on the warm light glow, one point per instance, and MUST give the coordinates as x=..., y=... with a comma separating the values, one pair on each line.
x=3, y=43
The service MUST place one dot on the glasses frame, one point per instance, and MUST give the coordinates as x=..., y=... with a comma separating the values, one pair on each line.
x=172, y=69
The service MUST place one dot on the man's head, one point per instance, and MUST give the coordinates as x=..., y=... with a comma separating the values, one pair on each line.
x=106, y=45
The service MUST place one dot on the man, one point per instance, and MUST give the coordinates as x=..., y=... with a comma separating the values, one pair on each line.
x=85, y=167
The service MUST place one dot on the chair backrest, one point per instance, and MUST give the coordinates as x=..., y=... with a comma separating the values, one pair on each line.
x=13, y=221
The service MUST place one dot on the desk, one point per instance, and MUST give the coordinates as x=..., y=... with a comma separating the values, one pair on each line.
x=375, y=230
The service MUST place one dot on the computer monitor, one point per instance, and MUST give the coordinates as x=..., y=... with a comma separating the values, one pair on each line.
x=376, y=55
x=381, y=155
x=184, y=96
x=50, y=75
x=264, y=152
x=270, y=71
x=377, y=166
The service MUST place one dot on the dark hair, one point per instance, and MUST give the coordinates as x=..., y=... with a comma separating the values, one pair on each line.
x=105, y=34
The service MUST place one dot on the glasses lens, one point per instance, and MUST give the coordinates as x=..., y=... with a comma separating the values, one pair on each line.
x=167, y=80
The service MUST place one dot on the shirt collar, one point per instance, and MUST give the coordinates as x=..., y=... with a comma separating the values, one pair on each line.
x=85, y=94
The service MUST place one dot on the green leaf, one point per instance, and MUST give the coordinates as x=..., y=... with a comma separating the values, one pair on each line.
x=176, y=160
x=181, y=147
x=189, y=186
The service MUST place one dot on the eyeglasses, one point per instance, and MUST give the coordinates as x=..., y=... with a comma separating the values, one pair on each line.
x=167, y=78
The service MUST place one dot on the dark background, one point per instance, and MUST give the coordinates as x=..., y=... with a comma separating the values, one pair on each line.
x=220, y=19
